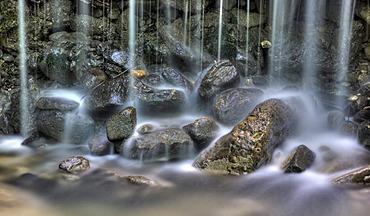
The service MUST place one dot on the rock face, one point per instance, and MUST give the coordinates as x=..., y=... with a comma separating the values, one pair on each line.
x=218, y=78
x=300, y=159
x=202, y=131
x=75, y=164
x=251, y=143
x=169, y=144
x=233, y=105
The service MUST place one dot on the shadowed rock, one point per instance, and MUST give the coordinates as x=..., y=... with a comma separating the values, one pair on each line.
x=99, y=145
x=250, y=143
x=364, y=134
x=300, y=159
x=56, y=103
x=202, y=131
x=53, y=124
x=233, y=105
x=218, y=78
x=168, y=144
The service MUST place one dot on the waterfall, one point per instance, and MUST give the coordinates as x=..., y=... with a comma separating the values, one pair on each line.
x=220, y=31
x=24, y=102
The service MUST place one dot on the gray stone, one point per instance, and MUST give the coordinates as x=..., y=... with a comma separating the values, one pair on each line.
x=233, y=105
x=62, y=127
x=335, y=119
x=159, y=100
x=219, y=77
x=99, y=145
x=122, y=124
x=56, y=103
x=75, y=164
x=175, y=78
x=111, y=93
x=251, y=143
x=203, y=130
x=364, y=134
x=167, y=144
x=146, y=128
x=300, y=159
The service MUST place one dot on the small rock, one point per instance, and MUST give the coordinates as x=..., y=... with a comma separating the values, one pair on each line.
x=99, y=145
x=175, y=78
x=144, y=129
x=75, y=164
x=300, y=159
x=139, y=180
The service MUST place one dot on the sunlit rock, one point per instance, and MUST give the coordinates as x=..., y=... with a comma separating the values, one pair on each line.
x=299, y=159
x=233, y=105
x=251, y=143
x=219, y=77
x=166, y=144
x=203, y=130
x=360, y=176
x=75, y=164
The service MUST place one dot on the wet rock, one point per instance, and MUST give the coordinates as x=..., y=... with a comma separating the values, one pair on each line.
x=247, y=65
x=349, y=128
x=152, y=80
x=202, y=131
x=300, y=159
x=219, y=77
x=362, y=10
x=55, y=64
x=335, y=119
x=362, y=115
x=111, y=93
x=168, y=144
x=359, y=176
x=159, y=100
x=122, y=124
x=194, y=6
x=146, y=128
x=175, y=78
x=75, y=164
x=251, y=143
x=56, y=103
x=65, y=127
x=140, y=180
x=90, y=25
x=99, y=145
x=93, y=78
x=233, y=105
x=122, y=58
x=254, y=18
x=364, y=134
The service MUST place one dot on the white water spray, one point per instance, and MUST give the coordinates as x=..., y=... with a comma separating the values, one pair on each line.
x=25, y=117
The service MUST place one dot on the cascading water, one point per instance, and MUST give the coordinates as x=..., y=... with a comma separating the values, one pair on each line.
x=25, y=118
x=140, y=182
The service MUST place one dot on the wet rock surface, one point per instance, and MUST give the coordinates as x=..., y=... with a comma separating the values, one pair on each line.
x=167, y=144
x=54, y=124
x=75, y=164
x=99, y=145
x=56, y=103
x=359, y=176
x=364, y=134
x=250, y=143
x=203, y=130
x=300, y=159
x=233, y=105
x=219, y=77
x=122, y=124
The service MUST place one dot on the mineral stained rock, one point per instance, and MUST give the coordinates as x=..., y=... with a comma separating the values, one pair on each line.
x=250, y=143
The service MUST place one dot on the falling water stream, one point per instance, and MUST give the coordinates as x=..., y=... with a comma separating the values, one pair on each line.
x=179, y=188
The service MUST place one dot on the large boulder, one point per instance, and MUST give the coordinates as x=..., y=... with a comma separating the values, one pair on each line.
x=111, y=93
x=250, y=143
x=219, y=77
x=233, y=105
x=168, y=144
x=65, y=126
